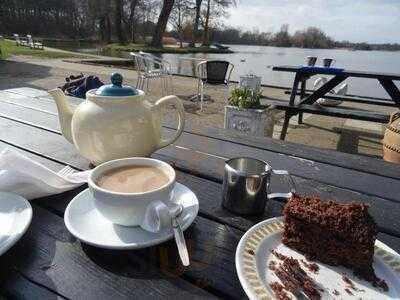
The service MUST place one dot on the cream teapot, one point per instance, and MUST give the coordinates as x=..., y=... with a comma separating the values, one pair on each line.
x=115, y=121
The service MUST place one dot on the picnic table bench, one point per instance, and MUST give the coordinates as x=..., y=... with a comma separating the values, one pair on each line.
x=49, y=263
x=308, y=99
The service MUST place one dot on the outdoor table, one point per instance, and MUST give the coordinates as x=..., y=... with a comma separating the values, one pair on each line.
x=386, y=80
x=49, y=263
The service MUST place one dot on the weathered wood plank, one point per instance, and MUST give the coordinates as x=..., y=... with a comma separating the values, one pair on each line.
x=340, y=112
x=209, y=192
x=350, y=73
x=355, y=180
x=345, y=178
x=14, y=286
x=356, y=162
x=58, y=149
x=57, y=261
x=370, y=101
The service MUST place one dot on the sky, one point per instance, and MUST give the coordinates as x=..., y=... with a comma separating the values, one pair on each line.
x=373, y=21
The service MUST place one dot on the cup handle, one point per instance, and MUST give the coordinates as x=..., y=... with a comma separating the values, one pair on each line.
x=157, y=217
x=290, y=182
x=181, y=118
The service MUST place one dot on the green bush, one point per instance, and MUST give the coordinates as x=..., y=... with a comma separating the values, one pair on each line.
x=245, y=98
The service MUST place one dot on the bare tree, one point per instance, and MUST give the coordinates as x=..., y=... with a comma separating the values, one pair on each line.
x=206, y=37
x=196, y=23
x=162, y=23
x=179, y=17
x=118, y=21
x=215, y=9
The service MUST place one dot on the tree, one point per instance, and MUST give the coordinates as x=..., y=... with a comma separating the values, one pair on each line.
x=206, y=36
x=179, y=16
x=215, y=9
x=118, y=21
x=282, y=38
x=196, y=23
x=132, y=19
x=162, y=23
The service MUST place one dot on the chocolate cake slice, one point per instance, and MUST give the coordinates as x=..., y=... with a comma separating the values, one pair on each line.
x=333, y=233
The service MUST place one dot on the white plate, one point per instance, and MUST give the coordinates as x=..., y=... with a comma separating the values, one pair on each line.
x=15, y=217
x=87, y=224
x=255, y=276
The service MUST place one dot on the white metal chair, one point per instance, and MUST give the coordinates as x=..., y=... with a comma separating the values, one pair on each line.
x=147, y=69
x=20, y=41
x=33, y=44
x=213, y=72
x=165, y=67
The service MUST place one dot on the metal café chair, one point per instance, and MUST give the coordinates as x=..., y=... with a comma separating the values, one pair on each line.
x=20, y=41
x=213, y=72
x=148, y=69
x=166, y=68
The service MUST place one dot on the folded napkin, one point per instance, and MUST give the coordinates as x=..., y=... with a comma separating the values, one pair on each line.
x=23, y=176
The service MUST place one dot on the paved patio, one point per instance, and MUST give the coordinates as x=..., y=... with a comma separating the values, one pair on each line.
x=345, y=135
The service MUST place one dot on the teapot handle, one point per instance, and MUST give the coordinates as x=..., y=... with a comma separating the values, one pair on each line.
x=181, y=118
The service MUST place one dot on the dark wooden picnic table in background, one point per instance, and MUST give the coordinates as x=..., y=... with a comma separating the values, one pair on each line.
x=307, y=98
x=49, y=263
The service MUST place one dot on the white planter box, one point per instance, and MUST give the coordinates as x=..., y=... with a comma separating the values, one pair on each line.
x=253, y=122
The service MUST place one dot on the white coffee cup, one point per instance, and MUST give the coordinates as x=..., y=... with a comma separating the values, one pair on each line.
x=129, y=209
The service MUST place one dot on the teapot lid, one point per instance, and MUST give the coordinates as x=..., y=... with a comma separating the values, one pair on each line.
x=116, y=88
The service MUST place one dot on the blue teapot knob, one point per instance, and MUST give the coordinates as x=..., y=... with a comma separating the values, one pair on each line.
x=116, y=79
x=116, y=89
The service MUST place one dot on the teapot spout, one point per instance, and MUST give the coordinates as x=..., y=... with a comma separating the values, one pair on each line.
x=64, y=113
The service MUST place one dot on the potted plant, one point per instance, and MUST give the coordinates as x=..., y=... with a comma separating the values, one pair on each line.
x=245, y=114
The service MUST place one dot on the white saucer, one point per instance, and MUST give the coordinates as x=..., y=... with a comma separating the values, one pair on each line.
x=88, y=225
x=15, y=217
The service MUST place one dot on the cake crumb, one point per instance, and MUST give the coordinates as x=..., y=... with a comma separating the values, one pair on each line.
x=350, y=284
x=272, y=265
x=279, y=255
x=279, y=291
x=313, y=267
x=349, y=292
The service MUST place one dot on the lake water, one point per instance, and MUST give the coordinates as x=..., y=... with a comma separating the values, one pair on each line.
x=259, y=59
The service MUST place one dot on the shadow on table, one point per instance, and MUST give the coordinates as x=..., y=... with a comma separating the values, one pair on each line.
x=23, y=267
x=152, y=262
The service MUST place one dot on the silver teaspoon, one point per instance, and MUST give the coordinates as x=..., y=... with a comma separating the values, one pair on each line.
x=179, y=237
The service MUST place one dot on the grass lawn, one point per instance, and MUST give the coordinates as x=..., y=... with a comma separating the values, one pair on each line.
x=9, y=48
x=145, y=48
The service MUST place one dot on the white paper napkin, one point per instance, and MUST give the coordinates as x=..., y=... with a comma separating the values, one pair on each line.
x=23, y=176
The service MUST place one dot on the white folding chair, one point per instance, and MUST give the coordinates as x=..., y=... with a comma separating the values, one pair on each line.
x=165, y=67
x=19, y=41
x=148, y=69
x=213, y=72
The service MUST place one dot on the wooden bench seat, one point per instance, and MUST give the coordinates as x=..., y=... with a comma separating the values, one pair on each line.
x=339, y=112
x=381, y=102
x=347, y=113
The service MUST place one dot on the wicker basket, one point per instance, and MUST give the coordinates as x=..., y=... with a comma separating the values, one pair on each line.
x=391, y=140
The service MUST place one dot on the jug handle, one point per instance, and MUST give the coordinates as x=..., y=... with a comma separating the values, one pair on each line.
x=289, y=181
x=181, y=118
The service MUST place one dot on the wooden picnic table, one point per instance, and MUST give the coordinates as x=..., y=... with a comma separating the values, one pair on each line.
x=305, y=104
x=49, y=263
